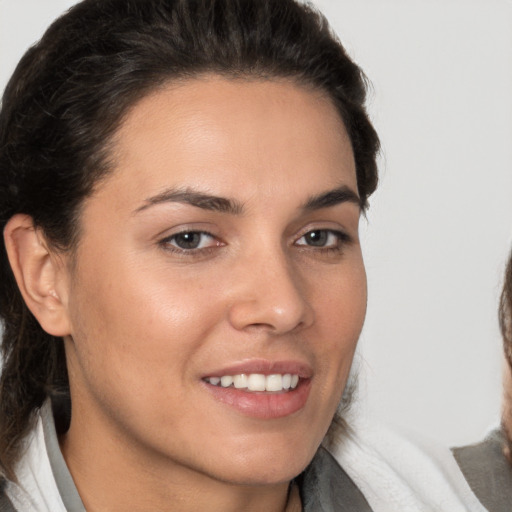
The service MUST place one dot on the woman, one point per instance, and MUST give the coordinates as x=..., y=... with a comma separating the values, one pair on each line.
x=182, y=279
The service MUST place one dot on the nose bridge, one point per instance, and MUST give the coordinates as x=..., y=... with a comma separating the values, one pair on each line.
x=271, y=293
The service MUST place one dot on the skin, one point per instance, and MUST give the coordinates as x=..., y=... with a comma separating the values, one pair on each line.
x=144, y=321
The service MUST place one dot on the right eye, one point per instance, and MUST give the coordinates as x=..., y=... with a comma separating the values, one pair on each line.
x=191, y=241
x=323, y=239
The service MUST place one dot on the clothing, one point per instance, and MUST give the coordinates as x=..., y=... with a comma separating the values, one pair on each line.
x=371, y=471
x=487, y=471
x=403, y=473
x=45, y=482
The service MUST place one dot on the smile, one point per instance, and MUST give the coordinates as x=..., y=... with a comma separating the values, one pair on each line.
x=257, y=381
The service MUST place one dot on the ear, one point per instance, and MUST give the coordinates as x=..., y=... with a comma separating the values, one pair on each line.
x=40, y=273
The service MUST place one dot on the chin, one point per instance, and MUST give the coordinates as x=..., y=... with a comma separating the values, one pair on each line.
x=264, y=476
x=268, y=463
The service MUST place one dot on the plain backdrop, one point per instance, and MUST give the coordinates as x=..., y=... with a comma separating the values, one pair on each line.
x=439, y=227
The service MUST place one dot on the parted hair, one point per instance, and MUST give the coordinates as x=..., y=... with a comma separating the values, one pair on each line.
x=69, y=94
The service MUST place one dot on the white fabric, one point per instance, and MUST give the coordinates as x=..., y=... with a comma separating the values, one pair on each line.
x=37, y=490
x=396, y=473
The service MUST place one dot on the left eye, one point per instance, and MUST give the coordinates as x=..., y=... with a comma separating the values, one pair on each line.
x=321, y=238
x=190, y=240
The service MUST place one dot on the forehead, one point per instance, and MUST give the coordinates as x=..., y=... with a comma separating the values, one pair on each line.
x=234, y=134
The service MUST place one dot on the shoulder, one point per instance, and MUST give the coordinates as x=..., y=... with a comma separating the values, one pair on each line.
x=487, y=471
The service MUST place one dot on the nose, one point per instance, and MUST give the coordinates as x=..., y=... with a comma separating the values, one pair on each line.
x=270, y=295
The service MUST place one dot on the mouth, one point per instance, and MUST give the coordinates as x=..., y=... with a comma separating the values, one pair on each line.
x=257, y=382
x=261, y=390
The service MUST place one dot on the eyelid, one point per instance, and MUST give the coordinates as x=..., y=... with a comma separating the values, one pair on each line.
x=337, y=229
x=342, y=239
x=166, y=242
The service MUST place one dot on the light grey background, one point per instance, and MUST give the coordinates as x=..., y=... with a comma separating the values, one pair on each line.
x=440, y=225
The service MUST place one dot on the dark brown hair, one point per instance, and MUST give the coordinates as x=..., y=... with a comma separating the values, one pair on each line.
x=69, y=94
x=505, y=315
x=505, y=312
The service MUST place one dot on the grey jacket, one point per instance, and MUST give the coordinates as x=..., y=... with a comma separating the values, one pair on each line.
x=488, y=472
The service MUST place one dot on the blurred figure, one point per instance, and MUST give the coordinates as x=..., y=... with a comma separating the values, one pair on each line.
x=488, y=465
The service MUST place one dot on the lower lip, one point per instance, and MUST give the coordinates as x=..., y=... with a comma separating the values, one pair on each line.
x=261, y=404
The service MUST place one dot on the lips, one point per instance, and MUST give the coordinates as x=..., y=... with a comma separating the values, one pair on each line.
x=262, y=389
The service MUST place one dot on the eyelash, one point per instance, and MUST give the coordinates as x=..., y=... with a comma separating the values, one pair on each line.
x=167, y=243
x=342, y=239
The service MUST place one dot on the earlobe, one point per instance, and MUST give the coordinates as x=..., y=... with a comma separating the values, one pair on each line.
x=39, y=273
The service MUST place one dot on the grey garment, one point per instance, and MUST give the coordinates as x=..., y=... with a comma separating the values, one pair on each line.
x=488, y=472
x=324, y=486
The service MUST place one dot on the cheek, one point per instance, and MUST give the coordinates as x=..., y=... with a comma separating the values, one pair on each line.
x=341, y=306
x=340, y=314
x=137, y=322
x=145, y=335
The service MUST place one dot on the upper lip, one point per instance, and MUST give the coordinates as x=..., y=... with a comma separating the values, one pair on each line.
x=265, y=367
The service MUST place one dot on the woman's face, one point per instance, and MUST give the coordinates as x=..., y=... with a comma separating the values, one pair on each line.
x=222, y=248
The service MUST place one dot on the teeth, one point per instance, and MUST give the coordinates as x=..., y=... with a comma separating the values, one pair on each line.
x=257, y=381
x=240, y=381
x=226, y=381
x=274, y=383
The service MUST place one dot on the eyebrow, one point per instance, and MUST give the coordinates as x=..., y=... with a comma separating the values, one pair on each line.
x=331, y=198
x=194, y=198
x=210, y=202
